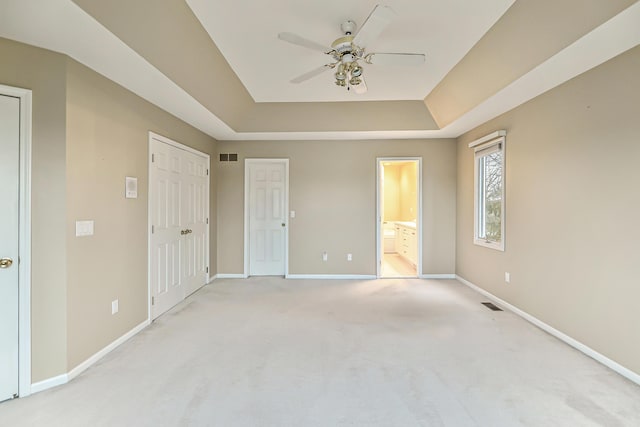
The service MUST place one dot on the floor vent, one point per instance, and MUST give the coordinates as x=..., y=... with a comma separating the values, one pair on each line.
x=491, y=306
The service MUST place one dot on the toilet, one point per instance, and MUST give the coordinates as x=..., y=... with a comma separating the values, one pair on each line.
x=389, y=237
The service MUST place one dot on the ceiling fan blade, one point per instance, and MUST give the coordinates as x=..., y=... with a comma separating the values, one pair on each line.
x=396, y=58
x=306, y=76
x=377, y=21
x=361, y=88
x=301, y=41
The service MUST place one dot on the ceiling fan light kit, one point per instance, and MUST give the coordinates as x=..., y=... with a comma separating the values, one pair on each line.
x=347, y=50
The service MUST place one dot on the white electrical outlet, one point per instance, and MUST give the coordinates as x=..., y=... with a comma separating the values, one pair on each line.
x=349, y=257
x=325, y=256
x=507, y=277
x=114, y=306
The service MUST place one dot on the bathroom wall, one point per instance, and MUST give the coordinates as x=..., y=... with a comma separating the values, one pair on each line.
x=408, y=190
x=392, y=192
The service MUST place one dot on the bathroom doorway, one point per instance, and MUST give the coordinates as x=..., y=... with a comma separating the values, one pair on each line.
x=399, y=217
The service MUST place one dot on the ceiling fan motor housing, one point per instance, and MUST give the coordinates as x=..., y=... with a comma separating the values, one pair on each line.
x=348, y=27
x=343, y=45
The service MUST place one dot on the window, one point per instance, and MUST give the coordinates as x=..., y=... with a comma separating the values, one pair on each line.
x=489, y=191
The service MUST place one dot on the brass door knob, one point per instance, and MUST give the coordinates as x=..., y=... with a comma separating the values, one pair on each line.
x=5, y=262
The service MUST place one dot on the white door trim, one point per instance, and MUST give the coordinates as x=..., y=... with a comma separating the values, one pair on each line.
x=379, y=254
x=247, y=162
x=24, y=240
x=165, y=140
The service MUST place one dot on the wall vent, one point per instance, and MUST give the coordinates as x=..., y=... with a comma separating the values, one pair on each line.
x=491, y=306
x=228, y=157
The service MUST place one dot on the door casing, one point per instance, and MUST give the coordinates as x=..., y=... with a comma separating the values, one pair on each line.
x=247, y=188
x=379, y=237
x=24, y=239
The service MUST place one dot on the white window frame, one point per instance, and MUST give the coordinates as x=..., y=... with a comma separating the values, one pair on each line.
x=489, y=144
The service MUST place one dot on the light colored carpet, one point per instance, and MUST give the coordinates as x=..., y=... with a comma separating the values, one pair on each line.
x=394, y=352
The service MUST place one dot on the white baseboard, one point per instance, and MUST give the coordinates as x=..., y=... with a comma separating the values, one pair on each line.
x=99, y=355
x=331, y=276
x=65, y=378
x=49, y=383
x=437, y=276
x=625, y=372
x=230, y=276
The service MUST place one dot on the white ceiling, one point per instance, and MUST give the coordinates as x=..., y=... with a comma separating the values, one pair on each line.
x=61, y=26
x=246, y=34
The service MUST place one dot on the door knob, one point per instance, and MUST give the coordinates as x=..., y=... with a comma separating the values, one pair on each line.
x=283, y=224
x=5, y=262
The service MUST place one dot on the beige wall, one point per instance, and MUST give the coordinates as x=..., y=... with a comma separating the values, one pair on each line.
x=333, y=191
x=88, y=134
x=44, y=73
x=107, y=140
x=572, y=209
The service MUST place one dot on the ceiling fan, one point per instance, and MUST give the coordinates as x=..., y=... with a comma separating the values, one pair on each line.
x=347, y=50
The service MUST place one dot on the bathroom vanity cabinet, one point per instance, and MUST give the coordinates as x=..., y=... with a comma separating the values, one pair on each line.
x=407, y=241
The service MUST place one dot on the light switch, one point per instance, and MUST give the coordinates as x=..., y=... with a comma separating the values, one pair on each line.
x=293, y=214
x=84, y=228
x=131, y=187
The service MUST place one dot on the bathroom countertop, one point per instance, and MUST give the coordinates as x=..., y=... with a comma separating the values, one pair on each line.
x=408, y=224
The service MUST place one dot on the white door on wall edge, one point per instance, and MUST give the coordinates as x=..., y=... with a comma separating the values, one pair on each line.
x=266, y=216
x=179, y=206
x=195, y=213
x=9, y=177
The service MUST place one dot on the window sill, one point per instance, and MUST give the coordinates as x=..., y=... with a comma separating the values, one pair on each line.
x=498, y=246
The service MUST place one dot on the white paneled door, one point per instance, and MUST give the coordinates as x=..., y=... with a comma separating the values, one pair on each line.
x=267, y=216
x=9, y=177
x=179, y=211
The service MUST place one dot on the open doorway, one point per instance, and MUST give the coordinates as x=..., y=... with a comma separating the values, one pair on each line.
x=399, y=219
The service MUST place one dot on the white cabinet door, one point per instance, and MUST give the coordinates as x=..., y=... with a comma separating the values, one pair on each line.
x=407, y=243
x=413, y=246
x=9, y=152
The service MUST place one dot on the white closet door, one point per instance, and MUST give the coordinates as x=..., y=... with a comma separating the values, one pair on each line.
x=166, y=243
x=195, y=208
x=9, y=158
x=179, y=205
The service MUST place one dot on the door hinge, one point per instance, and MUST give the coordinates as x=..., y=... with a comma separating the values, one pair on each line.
x=153, y=300
x=207, y=172
x=153, y=158
x=207, y=220
x=207, y=270
x=153, y=229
